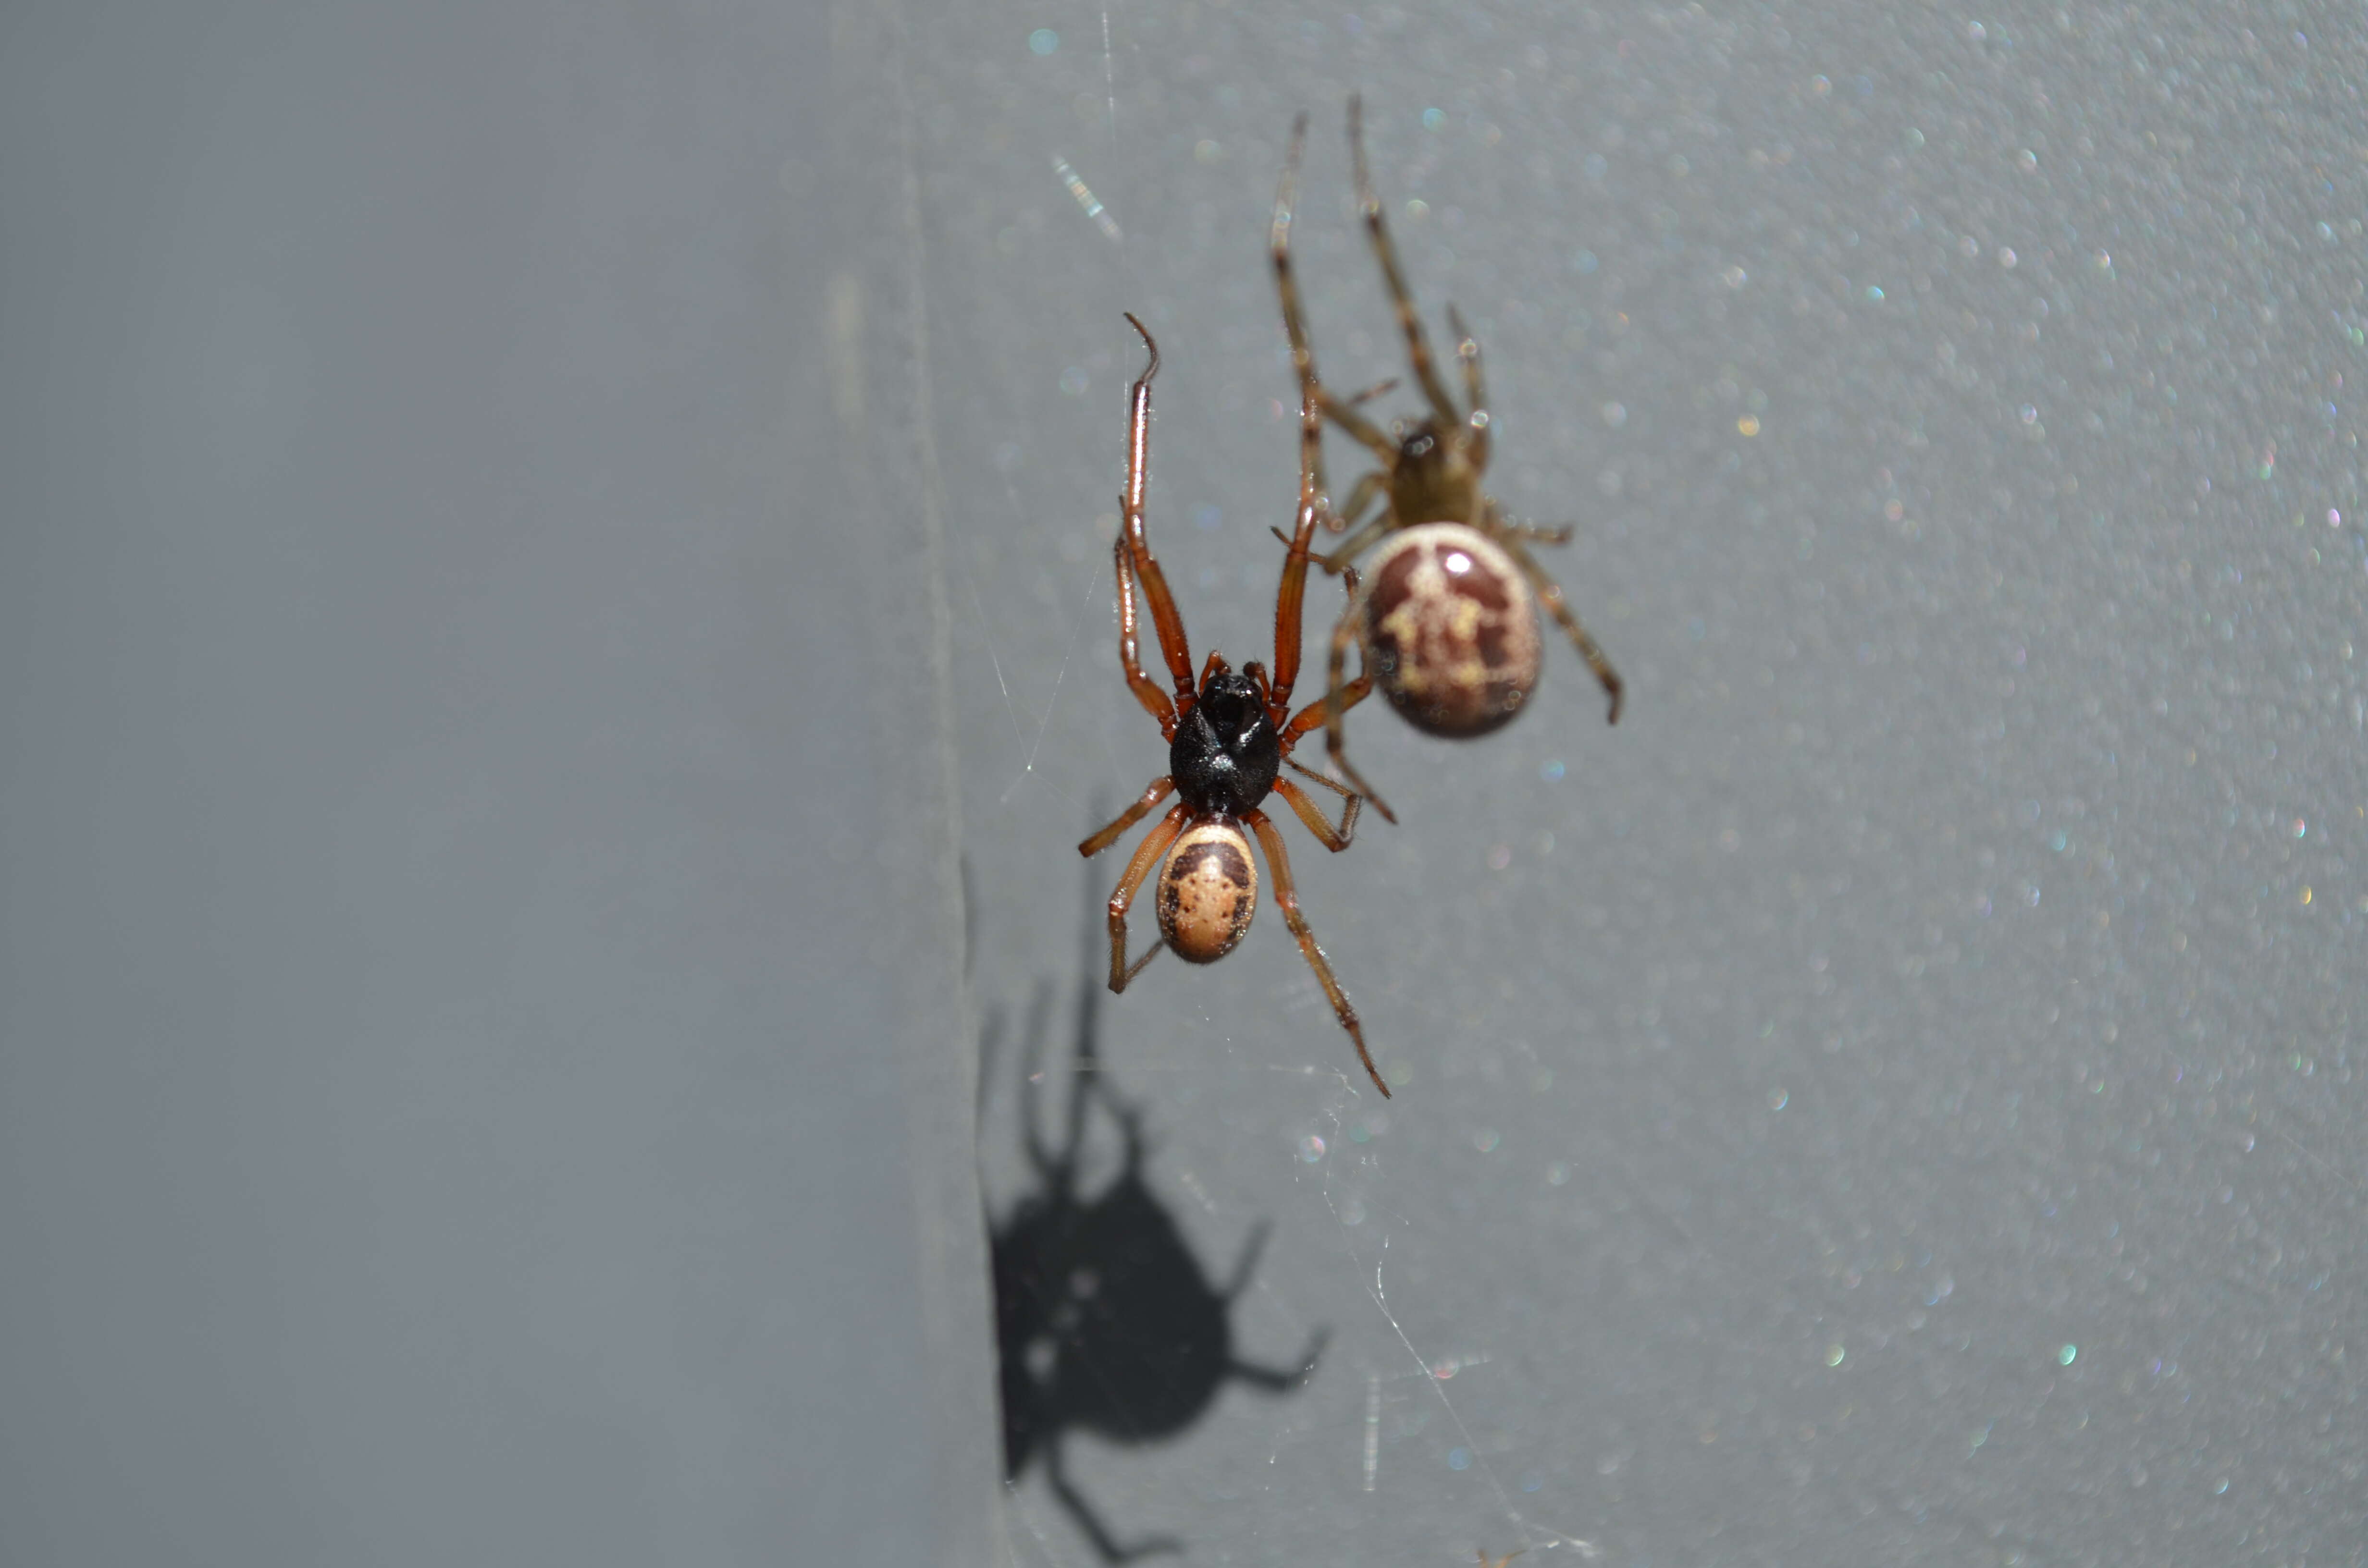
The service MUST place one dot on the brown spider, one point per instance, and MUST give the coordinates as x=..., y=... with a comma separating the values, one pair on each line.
x=1227, y=741
x=1450, y=623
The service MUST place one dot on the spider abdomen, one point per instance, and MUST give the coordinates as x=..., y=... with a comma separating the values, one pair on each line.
x=1226, y=754
x=1207, y=890
x=1451, y=626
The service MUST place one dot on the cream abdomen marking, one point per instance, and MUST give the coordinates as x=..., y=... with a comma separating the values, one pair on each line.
x=1208, y=892
x=1453, y=629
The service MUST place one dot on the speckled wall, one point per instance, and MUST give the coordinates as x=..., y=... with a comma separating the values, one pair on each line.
x=1889, y=1099
x=561, y=641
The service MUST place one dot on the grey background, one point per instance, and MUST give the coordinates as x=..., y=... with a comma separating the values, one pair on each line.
x=550, y=549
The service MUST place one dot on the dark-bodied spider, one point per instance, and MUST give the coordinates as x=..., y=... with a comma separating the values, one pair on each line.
x=1449, y=621
x=1228, y=739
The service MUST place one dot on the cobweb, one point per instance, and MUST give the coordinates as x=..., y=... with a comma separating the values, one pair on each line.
x=1881, y=1103
x=1415, y=1435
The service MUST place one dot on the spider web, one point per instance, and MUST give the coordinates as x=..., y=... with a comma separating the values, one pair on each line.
x=1256, y=1119
x=1774, y=1172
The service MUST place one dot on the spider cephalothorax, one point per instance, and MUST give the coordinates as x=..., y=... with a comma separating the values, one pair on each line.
x=1228, y=739
x=1450, y=621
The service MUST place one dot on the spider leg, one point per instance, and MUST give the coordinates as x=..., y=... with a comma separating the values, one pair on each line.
x=1357, y=543
x=1361, y=496
x=1307, y=718
x=1342, y=412
x=1146, y=690
x=1336, y=839
x=1335, y=705
x=1160, y=789
x=1549, y=591
x=1291, y=593
x=1286, y=285
x=1377, y=230
x=1361, y=430
x=1475, y=392
x=1370, y=488
x=1312, y=715
x=1146, y=855
x=1278, y=863
x=1163, y=613
x=1536, y=533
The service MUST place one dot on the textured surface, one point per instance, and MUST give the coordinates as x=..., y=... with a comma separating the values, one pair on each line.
x=1892, y=1098
x=484, y=1068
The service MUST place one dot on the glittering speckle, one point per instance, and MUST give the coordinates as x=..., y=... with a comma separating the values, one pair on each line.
x=1777, y=1099
x=1748, y=425
x=1433, y=119
x=1834, y=1354
x=1311, y=1148
x=1615, y=415
x=1486, y=1139
x=2006, y=256
x=1458, y=1458
x=1552, y=771
x=2065, y=1356
x=1044, y=41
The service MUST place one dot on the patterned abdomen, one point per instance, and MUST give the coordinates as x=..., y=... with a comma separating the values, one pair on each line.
x=1452, y=628
x=1207, y=890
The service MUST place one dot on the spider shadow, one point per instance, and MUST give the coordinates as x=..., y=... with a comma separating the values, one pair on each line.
x=1106, y=1320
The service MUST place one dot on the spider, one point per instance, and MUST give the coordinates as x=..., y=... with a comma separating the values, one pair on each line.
x=1450, y=622
x=1227, y=741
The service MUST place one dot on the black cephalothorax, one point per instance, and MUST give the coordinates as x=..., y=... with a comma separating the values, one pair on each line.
x=1227, y=751
x=1227, y=740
